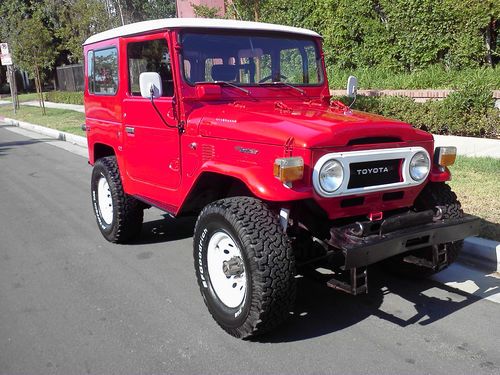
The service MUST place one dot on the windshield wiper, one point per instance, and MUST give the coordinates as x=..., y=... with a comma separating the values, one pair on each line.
x=274, y=83
x=231, y=85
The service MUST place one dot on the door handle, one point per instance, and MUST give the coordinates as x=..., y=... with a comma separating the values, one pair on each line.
x=130, y=130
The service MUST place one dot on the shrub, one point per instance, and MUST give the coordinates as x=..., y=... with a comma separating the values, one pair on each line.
x=433, y=77
x=467, y=112
x=66, y=97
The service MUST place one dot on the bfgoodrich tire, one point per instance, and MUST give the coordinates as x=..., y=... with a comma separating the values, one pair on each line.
x=244, y=265
x=119, y=216
x=433, y=195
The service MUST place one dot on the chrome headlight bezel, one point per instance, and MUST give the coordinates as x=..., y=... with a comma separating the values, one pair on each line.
x=336, y=178
x=419, y=166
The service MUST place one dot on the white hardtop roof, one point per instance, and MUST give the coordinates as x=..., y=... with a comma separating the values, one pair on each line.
x=169, y=23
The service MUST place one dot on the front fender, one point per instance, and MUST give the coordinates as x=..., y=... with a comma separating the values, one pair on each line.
x=261, y=182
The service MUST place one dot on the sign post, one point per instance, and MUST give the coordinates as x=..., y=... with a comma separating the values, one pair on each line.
x=6, y=60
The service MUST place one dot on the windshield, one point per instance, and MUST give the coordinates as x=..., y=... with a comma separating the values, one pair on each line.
x=250, y=60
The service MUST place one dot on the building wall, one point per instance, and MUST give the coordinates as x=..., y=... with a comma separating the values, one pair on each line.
x=184, y=8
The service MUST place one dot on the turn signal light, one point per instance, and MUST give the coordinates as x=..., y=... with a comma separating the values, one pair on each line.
x=289, y=169
x=445, y=156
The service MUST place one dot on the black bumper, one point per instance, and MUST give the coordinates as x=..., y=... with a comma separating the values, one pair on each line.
x=363, y=251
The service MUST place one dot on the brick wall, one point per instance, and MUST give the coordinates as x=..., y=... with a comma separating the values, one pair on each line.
x=417, y=95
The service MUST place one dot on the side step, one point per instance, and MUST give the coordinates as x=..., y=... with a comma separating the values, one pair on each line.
x=439, y=258
x=355, y=281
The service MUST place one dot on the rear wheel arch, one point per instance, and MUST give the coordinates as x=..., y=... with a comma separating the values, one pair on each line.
x=102, y=150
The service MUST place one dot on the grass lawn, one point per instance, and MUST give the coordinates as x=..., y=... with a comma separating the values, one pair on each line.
x=60, y=119
x=476, y=181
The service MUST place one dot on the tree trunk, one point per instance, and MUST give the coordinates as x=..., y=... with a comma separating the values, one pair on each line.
x=121, y=12
x=488, y=41
x=38, y=84
x=256, y=10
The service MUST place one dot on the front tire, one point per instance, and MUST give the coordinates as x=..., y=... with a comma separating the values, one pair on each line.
x=119, y=216
x=244, y=265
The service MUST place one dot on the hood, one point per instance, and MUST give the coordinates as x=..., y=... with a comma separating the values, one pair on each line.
x=312, y=125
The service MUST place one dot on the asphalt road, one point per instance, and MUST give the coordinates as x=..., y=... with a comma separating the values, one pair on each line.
x=71, y=303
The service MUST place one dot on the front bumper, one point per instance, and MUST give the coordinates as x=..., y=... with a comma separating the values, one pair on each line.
x=363, y=251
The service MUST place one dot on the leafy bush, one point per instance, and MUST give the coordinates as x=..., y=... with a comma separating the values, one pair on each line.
x=433, y=77
x=467, y=112
x=66, y=97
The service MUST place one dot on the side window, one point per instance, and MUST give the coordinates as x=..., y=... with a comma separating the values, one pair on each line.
x=106, y=71
x=90, y=71
x=149, y=56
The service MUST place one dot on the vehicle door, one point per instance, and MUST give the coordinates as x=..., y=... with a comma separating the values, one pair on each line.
x=151, y=137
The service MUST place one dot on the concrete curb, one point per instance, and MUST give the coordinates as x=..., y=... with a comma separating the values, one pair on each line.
x=478, y=252
x=481, y=253
x=53, y=133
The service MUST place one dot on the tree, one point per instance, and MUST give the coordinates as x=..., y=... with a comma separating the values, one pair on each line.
x=33, y=51
x=204, y=11
x=129, y=11
x=78, y=20
x=248, y=9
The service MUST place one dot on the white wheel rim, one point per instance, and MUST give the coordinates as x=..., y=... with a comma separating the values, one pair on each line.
x=104, y=200
x=230, y=290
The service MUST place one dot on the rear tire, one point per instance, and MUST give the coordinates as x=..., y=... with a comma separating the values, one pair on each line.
x=119, y=216
x=434, y=194
x=260, y=292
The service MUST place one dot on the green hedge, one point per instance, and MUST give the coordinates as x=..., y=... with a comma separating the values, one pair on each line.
x=433, y=77
x=466, y=112
x=66, y=97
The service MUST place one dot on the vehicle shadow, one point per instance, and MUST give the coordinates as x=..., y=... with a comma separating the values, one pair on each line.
x=6, y=146
x=165, y=230
x=320, y=310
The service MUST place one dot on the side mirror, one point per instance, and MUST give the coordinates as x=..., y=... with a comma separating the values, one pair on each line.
x=352, y=87
x=150, y=83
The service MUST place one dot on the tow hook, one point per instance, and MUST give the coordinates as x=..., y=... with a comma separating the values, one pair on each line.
x=438, y=213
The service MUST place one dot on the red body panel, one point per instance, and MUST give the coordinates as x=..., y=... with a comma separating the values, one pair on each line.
x=238, y=135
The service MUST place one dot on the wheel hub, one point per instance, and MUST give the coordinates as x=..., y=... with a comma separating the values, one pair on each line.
x=226, y=269
x=233, y=267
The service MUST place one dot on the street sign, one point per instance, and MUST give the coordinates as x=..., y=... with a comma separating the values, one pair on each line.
x=6, y=59
x=5, y=56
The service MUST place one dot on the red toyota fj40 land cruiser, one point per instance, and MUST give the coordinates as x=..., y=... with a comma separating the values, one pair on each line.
x=233, y=121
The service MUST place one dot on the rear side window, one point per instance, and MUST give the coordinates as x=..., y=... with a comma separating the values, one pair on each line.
x=102, y=71
x=149, y=56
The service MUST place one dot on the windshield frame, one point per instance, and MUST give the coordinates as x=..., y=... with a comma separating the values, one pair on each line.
x=254, y=33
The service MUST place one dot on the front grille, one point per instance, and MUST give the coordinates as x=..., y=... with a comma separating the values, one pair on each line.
x=374, y=173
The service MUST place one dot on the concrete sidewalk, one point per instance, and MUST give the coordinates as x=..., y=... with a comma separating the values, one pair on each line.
x=34, y=103
x=72, y=107
x=466, y=146
x=470, y=146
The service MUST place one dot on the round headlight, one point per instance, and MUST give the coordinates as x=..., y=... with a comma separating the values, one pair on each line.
x=419, y=166
x=331, y=176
